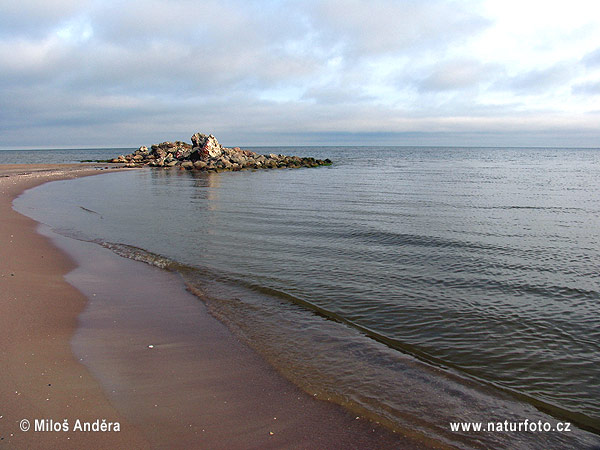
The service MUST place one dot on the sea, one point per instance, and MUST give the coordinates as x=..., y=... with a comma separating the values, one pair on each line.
x=419, y=286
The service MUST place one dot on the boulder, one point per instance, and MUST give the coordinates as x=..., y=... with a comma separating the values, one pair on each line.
x=183, y=154
x=206, y=146
x=187, y=165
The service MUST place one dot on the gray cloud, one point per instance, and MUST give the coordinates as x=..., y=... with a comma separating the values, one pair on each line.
x=125, y=73
x=592, y=59
x=35, y=18
x=539, y=80
x=457, y=75
x=387, y=26
x=587, y=88
x=335, y=95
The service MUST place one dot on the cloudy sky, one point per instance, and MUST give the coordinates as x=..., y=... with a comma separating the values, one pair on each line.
x=400, y=72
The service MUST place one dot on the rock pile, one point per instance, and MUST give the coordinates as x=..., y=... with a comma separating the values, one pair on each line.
x=206, y=154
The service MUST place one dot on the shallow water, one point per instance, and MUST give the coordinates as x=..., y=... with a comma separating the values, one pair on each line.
x=481, y=262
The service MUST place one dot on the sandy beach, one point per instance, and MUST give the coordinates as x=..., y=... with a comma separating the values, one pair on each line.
x=88, y=335
x=40, y=377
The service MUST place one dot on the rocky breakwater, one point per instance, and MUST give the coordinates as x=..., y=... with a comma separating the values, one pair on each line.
x=206, y=154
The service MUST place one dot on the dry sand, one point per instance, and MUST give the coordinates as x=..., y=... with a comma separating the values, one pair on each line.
x=196, y=387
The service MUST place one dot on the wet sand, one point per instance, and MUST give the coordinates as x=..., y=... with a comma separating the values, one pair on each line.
x=126, y=342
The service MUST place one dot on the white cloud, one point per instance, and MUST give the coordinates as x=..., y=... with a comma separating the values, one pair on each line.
x=75, y=31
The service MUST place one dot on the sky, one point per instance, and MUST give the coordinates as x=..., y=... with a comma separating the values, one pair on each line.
x=107, y=73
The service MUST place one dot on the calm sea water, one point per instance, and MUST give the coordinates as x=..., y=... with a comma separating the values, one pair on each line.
x=417, y=285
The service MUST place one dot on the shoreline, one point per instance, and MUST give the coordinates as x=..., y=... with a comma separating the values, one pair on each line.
x=40, y=377
x=39, y=268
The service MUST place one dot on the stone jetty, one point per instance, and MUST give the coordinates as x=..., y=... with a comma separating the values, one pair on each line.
x=206, y=154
